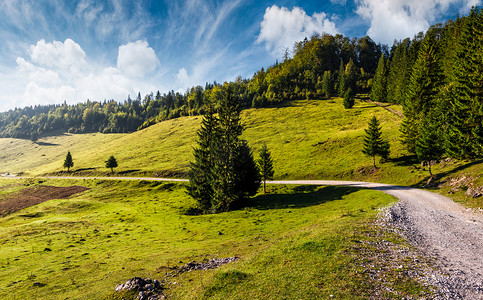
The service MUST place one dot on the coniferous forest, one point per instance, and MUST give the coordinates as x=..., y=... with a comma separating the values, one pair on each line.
x=437, y=77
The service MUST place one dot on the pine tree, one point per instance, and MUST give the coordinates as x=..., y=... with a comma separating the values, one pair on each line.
x=224, y=173
x=201, y=170
x=465, y=134
x=341, y=80
x=265, y=165
x=348, y=99
x=429, y=144
x=111, y=163
x=373, y=142
x=398, y=74
x=327, y=85
x=379, y=88
x=351, y=76
x=68, y=162
x=423, y=90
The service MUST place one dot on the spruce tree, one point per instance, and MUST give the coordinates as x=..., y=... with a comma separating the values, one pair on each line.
x=265, y=165
x=430, y=143
x=348, y=99
x=373, y=142
x=68, y=161
x=465, y=131
x=398, y=74
x=351, y=76
x=379, y=88
x=423, y=90
x=327, y=85
x=224, y=172
x=111, y=163
x=341, y=80
x=201, y=170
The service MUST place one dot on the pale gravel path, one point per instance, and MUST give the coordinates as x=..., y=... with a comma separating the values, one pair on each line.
x=443, y=229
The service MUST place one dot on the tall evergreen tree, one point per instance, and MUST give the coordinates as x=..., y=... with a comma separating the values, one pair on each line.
x=341, y=80
x=398, y=72
x=68, y=161
x=224, y=172
x=423, y=90
x=373, y=142
x=465, y=134
x=265, y=165
x=430, y=143
x=379, y=88
x=327, y=84
x=351, y=76
x=201, y=170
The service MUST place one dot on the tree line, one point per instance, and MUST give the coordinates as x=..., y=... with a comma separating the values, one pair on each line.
x=319, y=67
x=438, y=80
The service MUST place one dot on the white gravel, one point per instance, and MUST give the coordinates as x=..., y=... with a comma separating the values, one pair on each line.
x=445, y=231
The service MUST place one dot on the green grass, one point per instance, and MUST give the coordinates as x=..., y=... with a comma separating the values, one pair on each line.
x=316, y=139
x=296, y=242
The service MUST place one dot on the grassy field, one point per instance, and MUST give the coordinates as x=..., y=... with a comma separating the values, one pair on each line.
x=315, y=139
x=297, y=242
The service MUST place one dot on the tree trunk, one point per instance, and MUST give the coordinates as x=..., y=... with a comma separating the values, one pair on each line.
x=429, y=168
x=374, y=161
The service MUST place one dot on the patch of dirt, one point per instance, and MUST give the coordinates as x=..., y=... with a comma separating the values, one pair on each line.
x=35, y=195
x=386, y=107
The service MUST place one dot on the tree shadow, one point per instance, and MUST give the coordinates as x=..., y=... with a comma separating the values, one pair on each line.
x=83, y=169
x=46, y=144
x=128, y=171
x=405, y=160
x=439, y=176
x=302, y=196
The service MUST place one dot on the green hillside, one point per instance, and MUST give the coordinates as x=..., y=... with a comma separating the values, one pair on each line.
x=310, y=139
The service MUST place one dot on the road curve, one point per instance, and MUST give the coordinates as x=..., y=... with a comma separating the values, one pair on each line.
x=443, y=229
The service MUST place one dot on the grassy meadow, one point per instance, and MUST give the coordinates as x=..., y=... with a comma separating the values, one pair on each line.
x=308, y=139
x=296, y=242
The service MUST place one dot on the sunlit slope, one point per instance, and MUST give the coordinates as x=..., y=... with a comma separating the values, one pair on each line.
x=308, y=139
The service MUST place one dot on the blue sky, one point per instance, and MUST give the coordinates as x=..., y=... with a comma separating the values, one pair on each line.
x=55, y=50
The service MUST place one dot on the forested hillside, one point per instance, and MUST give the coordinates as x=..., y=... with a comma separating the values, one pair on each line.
x=437, y=77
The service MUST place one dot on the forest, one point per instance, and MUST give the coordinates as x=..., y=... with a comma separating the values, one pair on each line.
x=436, y=76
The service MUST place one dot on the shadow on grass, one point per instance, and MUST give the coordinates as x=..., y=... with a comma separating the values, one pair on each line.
x=302, y=196
x=405, y=160
x=83, y=169
x=128, y=171
x=439, y=176
x=46, y=144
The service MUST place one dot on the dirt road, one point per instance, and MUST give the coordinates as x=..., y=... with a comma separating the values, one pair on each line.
x=441, y=228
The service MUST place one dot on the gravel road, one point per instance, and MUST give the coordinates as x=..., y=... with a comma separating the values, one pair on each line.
x=444, y=230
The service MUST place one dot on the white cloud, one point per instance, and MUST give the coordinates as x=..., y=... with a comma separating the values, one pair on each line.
x=58, y=55
x=281, y=28
x=137, y=59
x=398, y=19
x=36, y=94
x=58, y=71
